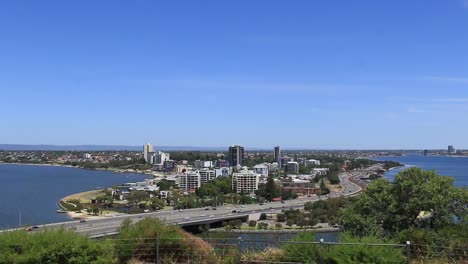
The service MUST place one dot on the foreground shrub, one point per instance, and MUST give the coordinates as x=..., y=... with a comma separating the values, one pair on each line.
x=343, y=254
x=140, y=241
x=53, y=246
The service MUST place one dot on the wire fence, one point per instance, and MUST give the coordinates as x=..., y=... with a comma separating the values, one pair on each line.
x=235, y=250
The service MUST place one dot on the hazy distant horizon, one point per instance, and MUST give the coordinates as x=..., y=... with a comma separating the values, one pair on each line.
x=303, y=74
x=90, y=147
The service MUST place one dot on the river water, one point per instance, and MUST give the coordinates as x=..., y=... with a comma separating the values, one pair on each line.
x=33, y=192
x=456, y=167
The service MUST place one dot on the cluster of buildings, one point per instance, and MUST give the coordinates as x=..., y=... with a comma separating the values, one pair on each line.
x=189, y=178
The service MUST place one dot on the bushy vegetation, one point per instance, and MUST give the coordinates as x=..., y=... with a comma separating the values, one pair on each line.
x=60, y=246
x=361, y=253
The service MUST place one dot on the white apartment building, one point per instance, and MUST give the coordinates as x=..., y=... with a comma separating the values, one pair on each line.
x=147, y=150
x=312, y=162
x=245, y=181
x=161, y=157
x=206, y=175
x=190, y=181
x=262, y=169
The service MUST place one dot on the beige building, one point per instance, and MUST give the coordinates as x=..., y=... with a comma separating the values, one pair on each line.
x=245, y=181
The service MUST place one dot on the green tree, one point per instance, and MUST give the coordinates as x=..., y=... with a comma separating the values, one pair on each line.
x=157, y=203
x=416, y=198
x=137, y=197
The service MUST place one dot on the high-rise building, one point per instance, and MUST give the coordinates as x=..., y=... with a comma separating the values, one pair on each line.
x=245, y=182
x=277, y=154
x=236, y=155
x=147, y=150
x=451, y=149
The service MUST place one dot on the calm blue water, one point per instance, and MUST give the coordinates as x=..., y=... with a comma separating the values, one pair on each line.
x=456, y=167
x=36, y=190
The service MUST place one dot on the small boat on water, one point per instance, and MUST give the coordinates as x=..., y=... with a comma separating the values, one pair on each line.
x=61, y=211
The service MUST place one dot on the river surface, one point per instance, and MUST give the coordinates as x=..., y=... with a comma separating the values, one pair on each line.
x=31, y=193
x=456, y=167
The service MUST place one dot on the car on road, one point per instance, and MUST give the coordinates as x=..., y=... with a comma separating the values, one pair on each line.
x=203, y=215
x=214, y=208
x=82, y=220
x=187, y=218
x=211, y=215
x=206, y=208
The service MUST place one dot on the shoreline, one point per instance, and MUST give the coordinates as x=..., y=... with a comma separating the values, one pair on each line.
x=80, y=215
x=114, y=170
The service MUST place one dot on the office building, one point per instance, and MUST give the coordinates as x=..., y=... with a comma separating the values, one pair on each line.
x=245, y=182
x=451, y=149
x=236, y=155
x=277, y=155
x=147, y=150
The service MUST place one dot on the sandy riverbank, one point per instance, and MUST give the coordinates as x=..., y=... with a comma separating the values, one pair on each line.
x=85, y=197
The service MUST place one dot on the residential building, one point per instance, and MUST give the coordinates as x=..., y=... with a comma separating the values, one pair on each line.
x=262, y=169
x=190, y=181
x=312, y=162
x=223, y=172
x=206, y=175
x=245, y=182
x=236, y=155
x=319, y=171
x=292, y=167
x=160, y=157
x=147, y=149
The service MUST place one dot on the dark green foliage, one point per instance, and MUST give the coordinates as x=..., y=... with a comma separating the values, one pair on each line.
x=262, y=225
x=269, y=190
x=263, y=216
x=333, y=177
x=281, y=217
x=252, y=223
x=416, y=199
x=57, y=246
x=218, y=186
x=164, y=185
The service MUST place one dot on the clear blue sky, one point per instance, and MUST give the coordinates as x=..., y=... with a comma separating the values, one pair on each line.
x=312, y=74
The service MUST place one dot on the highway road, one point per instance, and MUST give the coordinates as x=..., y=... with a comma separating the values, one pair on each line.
x=111, y=224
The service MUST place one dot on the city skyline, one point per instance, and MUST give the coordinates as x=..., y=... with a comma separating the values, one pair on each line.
x=302, y=75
